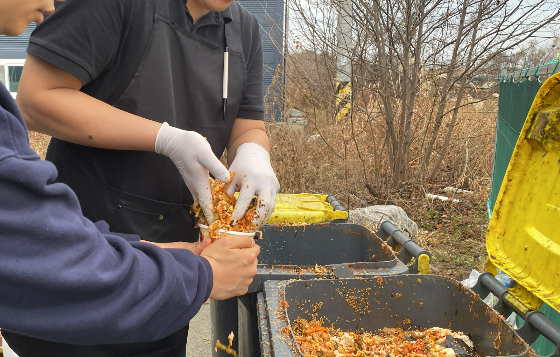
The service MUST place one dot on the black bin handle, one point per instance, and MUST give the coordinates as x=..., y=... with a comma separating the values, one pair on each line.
x=536, y=324
x=409, y=249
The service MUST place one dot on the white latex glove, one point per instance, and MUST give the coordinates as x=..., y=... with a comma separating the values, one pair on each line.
x=192, y=155
x=253, y=176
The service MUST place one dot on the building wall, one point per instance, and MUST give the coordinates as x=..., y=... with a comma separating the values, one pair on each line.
x=270, y=14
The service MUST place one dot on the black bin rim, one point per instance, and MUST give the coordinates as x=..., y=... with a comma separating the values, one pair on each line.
x=335, y=250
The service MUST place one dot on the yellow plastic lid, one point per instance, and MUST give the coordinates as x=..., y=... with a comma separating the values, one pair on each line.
x=523, y=236
x=304, y=208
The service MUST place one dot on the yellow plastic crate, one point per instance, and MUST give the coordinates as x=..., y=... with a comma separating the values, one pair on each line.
x=523, y=236
x=304, y=208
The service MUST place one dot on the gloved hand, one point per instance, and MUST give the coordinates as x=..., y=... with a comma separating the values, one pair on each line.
x=192, y=155
x=253, y=176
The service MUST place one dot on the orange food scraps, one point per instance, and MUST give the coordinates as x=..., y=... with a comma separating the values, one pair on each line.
x=315, y=340
x=223, y=204
x=227, y=349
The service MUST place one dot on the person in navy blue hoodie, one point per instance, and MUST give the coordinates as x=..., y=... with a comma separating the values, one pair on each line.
x=66, y=279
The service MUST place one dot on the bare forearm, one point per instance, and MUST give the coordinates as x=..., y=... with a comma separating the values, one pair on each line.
x=73, y=116
x=242, y=134
x=51, y=102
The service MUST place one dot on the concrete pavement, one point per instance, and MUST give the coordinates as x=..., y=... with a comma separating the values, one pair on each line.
x=198, y=342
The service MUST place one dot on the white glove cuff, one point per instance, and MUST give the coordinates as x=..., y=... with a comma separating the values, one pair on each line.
x=164, y=138
x=252, y=148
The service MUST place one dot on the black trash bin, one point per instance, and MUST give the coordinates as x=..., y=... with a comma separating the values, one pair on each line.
x=324, y=251
x=406, y=301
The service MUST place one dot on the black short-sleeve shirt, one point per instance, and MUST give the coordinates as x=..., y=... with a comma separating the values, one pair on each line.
x=102, y=42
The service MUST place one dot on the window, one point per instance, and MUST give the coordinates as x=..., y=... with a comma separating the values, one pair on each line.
x=14, y=74
x=10, y=73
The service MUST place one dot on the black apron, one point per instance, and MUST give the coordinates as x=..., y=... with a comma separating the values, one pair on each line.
x=179, y=81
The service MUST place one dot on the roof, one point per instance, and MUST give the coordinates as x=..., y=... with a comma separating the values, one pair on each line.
x=16, y=47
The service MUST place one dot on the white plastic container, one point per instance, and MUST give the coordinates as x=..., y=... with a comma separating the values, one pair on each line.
x=206, y=234
x=8, y=352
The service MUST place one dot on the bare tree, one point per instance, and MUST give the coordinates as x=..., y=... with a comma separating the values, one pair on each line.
x=412, y=65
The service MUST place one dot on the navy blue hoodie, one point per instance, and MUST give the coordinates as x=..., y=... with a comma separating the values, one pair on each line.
x=66, y=279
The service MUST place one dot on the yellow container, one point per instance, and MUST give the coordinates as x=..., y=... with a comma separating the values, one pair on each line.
x=523, y=236
x=304, y=208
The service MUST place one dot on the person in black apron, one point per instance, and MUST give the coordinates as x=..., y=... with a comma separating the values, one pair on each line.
x=179, y=81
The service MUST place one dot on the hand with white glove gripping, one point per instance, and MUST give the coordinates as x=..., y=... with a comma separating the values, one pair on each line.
x=253, y=176
x=192, y=155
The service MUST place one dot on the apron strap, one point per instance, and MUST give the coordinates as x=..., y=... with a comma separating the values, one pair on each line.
x=162, y=8
x=233, y=29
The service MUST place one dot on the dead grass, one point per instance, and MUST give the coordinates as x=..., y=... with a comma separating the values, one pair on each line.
x=454, y=233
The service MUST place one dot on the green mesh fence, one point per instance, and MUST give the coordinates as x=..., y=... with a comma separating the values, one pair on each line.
x=513, y=106
x=514, y=103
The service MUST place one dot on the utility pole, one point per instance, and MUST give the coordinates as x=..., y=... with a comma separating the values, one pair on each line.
x=343, y=63
x=285, y=108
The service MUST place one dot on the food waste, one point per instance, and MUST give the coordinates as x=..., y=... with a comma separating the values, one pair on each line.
x=315, y=340
x=223, y=204
x=227, y=349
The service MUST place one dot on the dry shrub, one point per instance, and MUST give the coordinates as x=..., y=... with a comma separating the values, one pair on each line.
x=468, y=162
x=316, y=163
x=347, y=158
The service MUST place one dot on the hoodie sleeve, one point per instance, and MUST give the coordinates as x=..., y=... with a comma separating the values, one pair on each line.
x=66, y=279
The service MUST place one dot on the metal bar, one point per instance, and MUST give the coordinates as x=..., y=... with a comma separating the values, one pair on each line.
x=549, y=330
x=535, y=322
x=334, y=203
x=550, y=69
x=528, y=333
x=493, y=286
x=543, y=70
x=554, y=68
x=336, y=207
x=409, y=248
